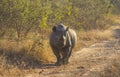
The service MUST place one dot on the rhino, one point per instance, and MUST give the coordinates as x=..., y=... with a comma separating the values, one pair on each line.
x=62, y=41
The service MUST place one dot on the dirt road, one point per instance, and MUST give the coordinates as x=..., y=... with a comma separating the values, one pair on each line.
x=86, y=62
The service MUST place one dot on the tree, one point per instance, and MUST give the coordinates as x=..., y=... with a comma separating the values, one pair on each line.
x=23, y=16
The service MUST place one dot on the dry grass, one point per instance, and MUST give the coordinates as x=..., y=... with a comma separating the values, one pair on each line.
x=40, y=49
x=31, y=53
x=15, y=56
x=87, y=38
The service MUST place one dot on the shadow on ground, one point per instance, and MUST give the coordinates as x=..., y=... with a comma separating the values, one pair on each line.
x=22, y=60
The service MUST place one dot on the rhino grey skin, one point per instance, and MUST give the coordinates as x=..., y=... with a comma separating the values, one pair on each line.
x=62, y=41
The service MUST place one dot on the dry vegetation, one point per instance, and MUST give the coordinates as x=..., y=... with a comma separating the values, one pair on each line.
x=40, y=49
x=29, y=53
x=90, y=37
x=18, y=56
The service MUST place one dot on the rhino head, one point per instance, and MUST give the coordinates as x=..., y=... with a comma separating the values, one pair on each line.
x=60, y=33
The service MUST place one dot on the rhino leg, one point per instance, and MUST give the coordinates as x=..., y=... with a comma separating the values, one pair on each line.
x=66, y=54
x=57, y=54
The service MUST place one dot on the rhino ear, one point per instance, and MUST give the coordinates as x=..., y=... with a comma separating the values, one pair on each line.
x=67, y=28
x=54, y=28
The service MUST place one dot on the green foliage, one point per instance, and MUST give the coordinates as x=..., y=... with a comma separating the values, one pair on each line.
x=45, y=12
x=116, y=5
x=29, y=15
